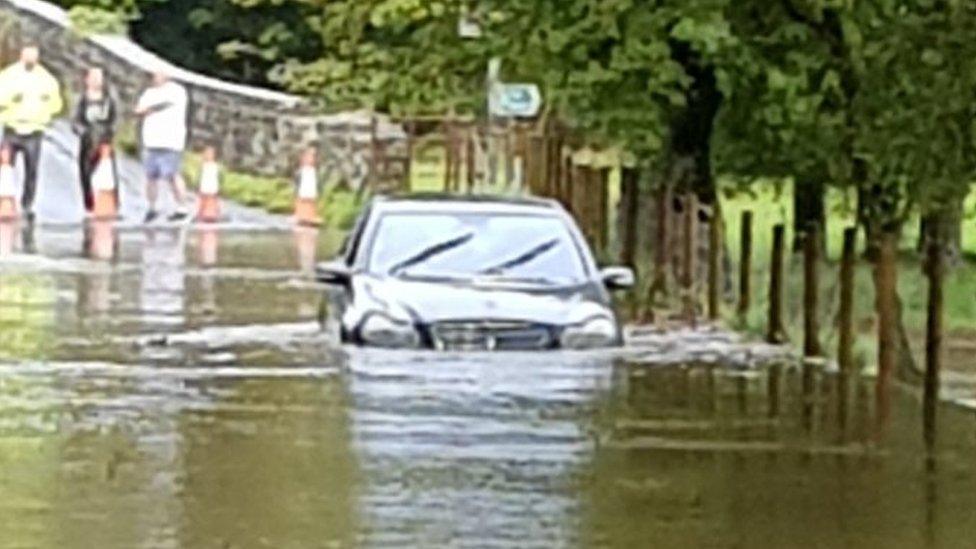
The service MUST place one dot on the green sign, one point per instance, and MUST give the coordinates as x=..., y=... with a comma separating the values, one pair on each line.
x=515, y=100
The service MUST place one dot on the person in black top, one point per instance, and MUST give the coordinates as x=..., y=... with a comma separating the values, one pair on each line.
x=95, y=121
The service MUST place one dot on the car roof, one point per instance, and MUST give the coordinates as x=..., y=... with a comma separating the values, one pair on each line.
x=440, y=202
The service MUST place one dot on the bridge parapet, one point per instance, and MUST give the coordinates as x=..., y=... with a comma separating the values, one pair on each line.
x=256, y=130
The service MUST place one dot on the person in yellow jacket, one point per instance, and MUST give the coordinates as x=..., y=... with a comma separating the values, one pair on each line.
x=30, y=98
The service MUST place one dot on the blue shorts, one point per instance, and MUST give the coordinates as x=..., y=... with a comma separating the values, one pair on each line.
x=161, y=164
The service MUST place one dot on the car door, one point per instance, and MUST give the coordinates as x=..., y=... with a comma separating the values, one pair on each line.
x=337, y=298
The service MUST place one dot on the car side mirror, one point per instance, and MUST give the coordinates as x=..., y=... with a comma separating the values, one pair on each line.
x=335, y=273
x=617, y=278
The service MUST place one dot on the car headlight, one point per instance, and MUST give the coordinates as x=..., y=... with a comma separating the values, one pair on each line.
x=590, y=334
x=381, y=330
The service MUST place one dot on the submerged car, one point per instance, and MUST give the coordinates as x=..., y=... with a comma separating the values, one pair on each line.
x=468, y=273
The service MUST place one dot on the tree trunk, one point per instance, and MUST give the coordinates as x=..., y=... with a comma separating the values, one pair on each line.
x=811, y=289
x=687, y=168
x=808, y=210
x=602, y=221
x=845, y=341
x=662, y=248
x=692, y=129
x=689, y=251
x=775, y=331
x=943, y=226
x=716, y=250
x=745, y=264
x=629, y=210
x=886, y=305
x=935, y=269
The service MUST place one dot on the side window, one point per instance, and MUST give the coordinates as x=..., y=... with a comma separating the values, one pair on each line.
x=352, y=244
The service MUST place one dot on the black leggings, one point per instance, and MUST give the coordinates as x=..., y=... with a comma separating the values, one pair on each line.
x=30, y=146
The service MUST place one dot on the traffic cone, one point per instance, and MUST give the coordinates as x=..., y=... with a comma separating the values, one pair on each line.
x=8, y=188
x=209, y=209
x=307, y=193
x=103, y=183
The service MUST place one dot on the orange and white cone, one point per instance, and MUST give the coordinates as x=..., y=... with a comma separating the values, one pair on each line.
x=103, y=184
x=307, y=193
x=209, y=209
x=8, y=188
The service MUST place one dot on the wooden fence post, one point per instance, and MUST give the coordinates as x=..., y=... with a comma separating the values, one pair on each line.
x=845, y=340
x=630, y=209
x=775, y=332
x=808, y=371
x=811, y=287
x=556, y=164
x=552, y=184
x=510, y=145
x=688, y=255
x=569, y=184
x=935, y=269
x=745, y=263
x=602, y=176
x=886, y=283
x=845, y=328
x=447, y=130
x=469, y=160
x=662, y=246
x=773, y=390
x=533, y=166
x=373, y=177
x=407, y=184
x=715, y=250
x=580, y=209
x=542, y=165
x=457, y=147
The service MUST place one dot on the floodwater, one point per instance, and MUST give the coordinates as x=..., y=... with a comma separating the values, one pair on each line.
x=171, y=387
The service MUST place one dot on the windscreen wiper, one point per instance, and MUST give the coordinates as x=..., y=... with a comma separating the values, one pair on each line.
x=429, y=252
x=523, y=258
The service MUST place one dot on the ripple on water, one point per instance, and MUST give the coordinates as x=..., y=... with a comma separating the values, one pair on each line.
x=458, y=448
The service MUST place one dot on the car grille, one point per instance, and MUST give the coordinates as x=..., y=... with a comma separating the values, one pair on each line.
x=490, y=336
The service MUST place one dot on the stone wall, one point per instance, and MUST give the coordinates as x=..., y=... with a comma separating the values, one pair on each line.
x=255, y=130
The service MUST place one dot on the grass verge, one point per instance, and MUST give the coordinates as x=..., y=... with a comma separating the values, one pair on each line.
x=336, y=206
x=771, y=207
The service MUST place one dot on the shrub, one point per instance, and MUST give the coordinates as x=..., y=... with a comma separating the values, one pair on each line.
x=88, y=20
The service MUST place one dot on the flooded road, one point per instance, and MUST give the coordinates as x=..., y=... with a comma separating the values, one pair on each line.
x=171, y=387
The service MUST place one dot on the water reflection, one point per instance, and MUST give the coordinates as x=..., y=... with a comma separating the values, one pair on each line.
x=172, y=390
x=107, y=458
x=487, y=450
x=9, y=236
x=675, y=471
x=100, y=240
x=306, y=243
x=208, y=244
x=162, y=292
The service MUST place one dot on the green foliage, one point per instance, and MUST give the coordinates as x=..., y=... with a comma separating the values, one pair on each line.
x=874, y=95
x=402, y=56
x=866, y=94
x=88, y=20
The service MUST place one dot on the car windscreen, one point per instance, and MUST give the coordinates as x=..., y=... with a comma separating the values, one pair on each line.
x=483, y=246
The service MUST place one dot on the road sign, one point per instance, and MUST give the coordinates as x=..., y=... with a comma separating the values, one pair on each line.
x=515, y=100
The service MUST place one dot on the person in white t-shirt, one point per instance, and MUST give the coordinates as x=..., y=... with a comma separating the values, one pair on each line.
x=163, y=109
